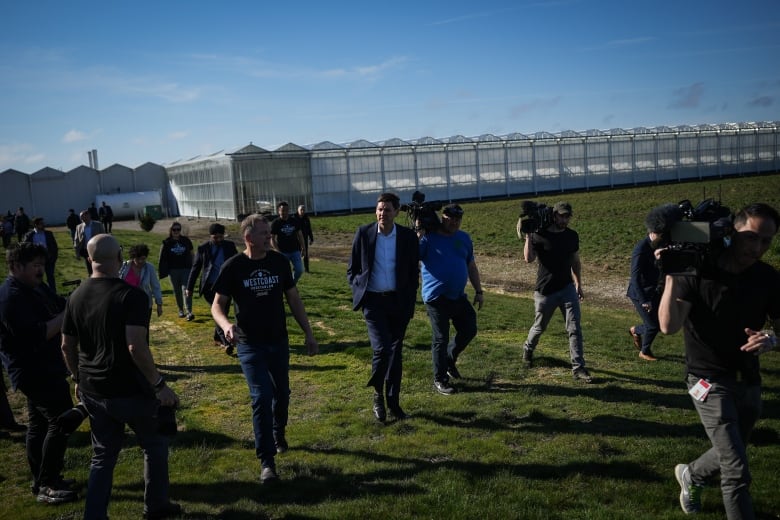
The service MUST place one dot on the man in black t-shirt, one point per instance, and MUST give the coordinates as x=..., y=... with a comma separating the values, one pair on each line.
x=105, y=348
x=722, y=312
x=558, y=285
x=258, y=280
x=287, y=238
x=30, y=320
x=308, y=237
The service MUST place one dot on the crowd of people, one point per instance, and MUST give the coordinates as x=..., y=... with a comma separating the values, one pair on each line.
x=104, y=348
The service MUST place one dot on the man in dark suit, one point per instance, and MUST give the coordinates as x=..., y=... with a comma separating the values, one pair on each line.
x=209, y=258
x=644, y=294
x=44, y=237
x=383, y=274
x=84, y=233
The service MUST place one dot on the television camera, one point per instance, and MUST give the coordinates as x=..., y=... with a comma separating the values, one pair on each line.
x=534, y=217
x=693, y=236
x=421, y=214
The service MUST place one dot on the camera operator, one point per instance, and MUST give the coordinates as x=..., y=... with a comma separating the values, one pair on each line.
x=722, y=311
x=447, y=256
x=558, y=285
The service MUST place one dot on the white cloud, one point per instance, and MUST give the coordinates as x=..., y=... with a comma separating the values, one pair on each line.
x=20, y=153
x=255, y=68
x=74, y=136
x=175, y=136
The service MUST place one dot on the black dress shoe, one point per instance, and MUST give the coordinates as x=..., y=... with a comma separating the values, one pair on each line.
x=379, y=408
x=398, y=413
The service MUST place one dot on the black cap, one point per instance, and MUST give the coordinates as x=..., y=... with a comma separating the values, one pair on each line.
x=216, y=229
x=453, y=210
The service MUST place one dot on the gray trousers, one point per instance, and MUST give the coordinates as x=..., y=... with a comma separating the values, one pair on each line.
x=569, y=303
x=728, y=415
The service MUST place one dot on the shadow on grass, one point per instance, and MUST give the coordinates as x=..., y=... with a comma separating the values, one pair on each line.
x=613, y=393
x=538, y=422
x=321, y=483
x=170, y=371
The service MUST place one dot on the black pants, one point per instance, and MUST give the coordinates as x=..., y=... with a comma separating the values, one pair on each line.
x=219, y=335
x=46, y=443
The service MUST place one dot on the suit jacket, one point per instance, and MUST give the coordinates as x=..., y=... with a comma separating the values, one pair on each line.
x=52, y=250
x=205, y=261
x=406, y=264
x=79, y=242
x=643, y=284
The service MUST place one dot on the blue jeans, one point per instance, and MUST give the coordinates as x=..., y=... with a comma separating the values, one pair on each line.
x=569, y=303
x=728, y=415
x=107, y=419
x=297, y=263
x=266, y=369
x=441, y=311
x=179, y=283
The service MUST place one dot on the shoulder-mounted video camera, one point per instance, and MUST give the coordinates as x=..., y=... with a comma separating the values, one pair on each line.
x=534, y=217
x=694, y=236
x=421, y=214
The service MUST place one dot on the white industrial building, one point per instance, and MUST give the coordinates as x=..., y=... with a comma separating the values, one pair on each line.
x=330, y=177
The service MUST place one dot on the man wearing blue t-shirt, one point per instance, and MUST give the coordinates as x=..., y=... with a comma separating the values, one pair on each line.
x=447, y=256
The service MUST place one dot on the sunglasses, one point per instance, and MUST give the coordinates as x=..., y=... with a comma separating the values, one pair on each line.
x=176, y=229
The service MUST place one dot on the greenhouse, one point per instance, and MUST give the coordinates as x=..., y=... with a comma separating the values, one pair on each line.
x=330, y=177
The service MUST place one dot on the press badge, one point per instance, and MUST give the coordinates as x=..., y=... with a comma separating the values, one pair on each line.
x=700, y=390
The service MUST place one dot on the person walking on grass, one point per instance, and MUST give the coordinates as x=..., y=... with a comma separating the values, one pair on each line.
x=383, y=274
x=723, y=310
x=558, y=286
x=308, y=236
x=104, y=344
x=447, y=260
x=643, y=291
x=209, y=258
x=176, y=261
x=42, y=236
x=287, y=238
x=258, y=281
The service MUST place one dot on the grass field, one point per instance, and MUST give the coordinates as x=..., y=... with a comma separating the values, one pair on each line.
x=513, y=443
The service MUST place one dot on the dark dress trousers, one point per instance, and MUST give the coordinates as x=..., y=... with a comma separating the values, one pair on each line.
x=387, y=314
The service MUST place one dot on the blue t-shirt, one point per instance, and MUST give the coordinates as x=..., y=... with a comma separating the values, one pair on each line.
x=445, y=264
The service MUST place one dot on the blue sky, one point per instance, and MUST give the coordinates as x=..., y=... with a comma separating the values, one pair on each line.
x=162, y=81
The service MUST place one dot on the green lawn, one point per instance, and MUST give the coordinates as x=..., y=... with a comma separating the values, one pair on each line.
x=513, y=443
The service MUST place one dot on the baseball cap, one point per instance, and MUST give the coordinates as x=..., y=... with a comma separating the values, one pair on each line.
x=563, y=208
x=453, y=210
x=216, y=229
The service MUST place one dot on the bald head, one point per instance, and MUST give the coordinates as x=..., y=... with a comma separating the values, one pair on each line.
x=105, y=254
